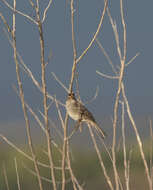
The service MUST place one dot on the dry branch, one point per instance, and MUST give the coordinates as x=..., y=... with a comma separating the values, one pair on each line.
x=22, y=100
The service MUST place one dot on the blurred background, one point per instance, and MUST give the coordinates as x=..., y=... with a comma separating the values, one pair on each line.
x=59, y=52
x=58, y=46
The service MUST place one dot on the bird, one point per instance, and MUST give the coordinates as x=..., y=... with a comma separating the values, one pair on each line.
x=78, y=112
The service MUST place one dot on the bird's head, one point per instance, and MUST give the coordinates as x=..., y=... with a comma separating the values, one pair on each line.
x=71, y=96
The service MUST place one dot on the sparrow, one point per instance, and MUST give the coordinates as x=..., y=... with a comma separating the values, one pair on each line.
x=78, y=112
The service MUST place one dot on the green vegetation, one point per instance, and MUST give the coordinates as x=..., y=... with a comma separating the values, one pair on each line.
x=85, y=166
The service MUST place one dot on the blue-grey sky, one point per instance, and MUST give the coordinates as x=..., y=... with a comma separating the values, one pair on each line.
x=57, y=36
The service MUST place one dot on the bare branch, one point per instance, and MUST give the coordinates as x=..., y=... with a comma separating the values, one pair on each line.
x=21, y=152
x=133, y=58
x=114, y=27
x=17, y=174
x=22, y=100
x=100, y=159
x=45, y=11
x=73, y=178
x=60, y=115
x=6, y=24
x=126, y=173
x=45, y=97
x=107, y=56
x=19, y=12
x=124, y=30
x=139, y=141
x=5, y=177
x=94, y=97
x=59, y=81
x=53, y=125
x=107, y=76
x=42, y=177
x=96, y=33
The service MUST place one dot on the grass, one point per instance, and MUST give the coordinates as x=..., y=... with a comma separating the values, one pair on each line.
x=85, y=166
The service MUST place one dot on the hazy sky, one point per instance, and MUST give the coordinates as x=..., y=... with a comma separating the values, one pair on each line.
x=57, y=36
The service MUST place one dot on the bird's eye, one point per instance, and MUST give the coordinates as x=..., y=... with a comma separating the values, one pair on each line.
x=71, y=94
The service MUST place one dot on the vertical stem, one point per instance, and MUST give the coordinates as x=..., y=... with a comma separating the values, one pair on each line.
x=44, y=90
x=126, y=173
x=17, y=175
x=74, y=48
x=6, y=178
x=115, y=124
x=65, y=144
x=23, y=102
x=137, y=137
x=122, y=63
x=75, y=61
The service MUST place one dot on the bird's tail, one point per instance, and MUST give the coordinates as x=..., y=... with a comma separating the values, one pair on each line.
x=99, y=130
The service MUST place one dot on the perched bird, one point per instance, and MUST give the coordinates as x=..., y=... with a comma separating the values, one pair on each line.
x=79, y=112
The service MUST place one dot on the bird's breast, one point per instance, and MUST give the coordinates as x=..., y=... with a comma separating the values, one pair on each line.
x=72, y=109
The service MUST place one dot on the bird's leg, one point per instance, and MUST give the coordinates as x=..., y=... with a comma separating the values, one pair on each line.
x=80, y=122
x=80, y=127
x=76, y=127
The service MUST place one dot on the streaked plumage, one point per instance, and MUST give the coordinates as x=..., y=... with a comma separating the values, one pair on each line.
x=79, y=112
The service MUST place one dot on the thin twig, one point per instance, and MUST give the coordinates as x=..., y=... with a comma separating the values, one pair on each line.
x=17, y=174
x=42, y=177
x=6, y=24
x=59, y=81
x=126, y=173
x=114, y=27
x=151, y=150
x=21, y=152
x=132, y=59
x=46, y=9
x=96, y=33
x=107, y=76
x=53, y=125
x=107, y=56
x=100, y=159
x=124, y=31
x=94, y=97
x=73, y=178
x=5, y=177
x=77, y=86
x=59, y=114
x=19, y=12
